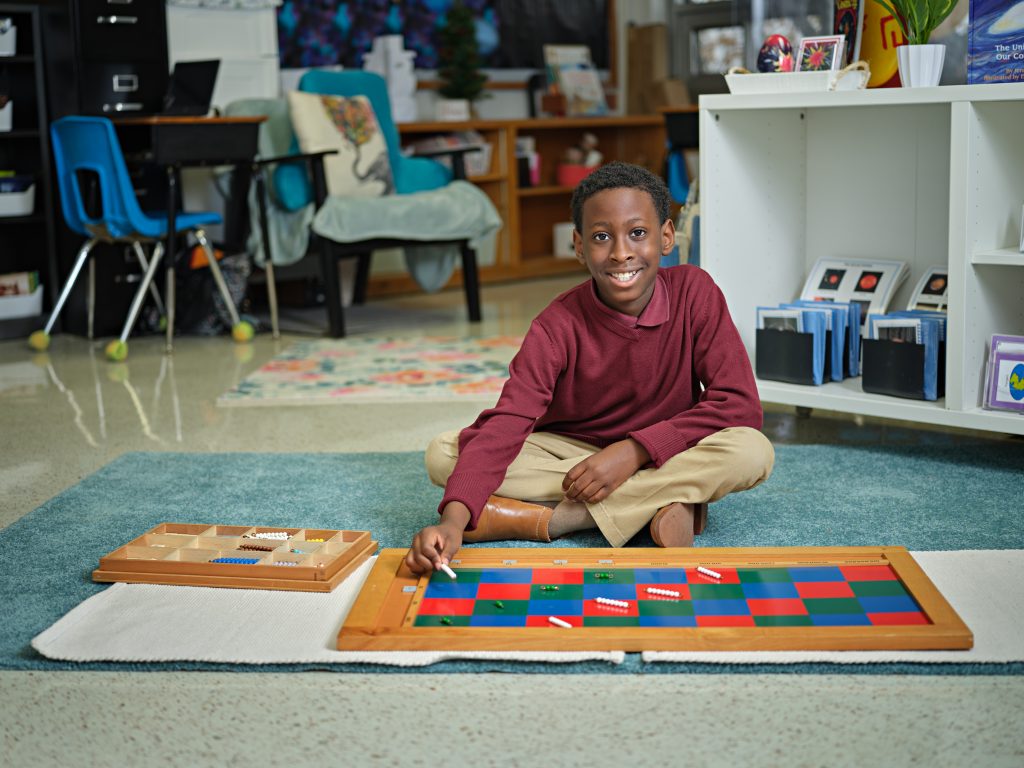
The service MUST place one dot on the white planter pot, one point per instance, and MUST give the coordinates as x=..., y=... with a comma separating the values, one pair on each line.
x=920, y=65
x=452, y=110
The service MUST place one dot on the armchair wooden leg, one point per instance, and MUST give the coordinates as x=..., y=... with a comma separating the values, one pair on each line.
x=332, y=289
x=362, y=277
x=471, y=282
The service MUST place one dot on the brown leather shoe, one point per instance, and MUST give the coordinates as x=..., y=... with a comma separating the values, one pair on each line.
x=675, y=525
x=503, y=519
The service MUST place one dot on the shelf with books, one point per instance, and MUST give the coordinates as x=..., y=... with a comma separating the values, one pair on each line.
x=944, y=186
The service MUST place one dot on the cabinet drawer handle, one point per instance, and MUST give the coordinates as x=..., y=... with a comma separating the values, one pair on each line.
x=123, y=106
x=126, y=83
x=116, y=19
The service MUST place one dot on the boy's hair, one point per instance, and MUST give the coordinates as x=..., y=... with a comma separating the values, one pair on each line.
x=617, y=176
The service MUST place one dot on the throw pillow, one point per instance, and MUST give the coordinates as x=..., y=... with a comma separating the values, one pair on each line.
x=361, y=167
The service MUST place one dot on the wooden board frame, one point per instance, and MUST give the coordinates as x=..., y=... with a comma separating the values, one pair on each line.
x=383, y=614
x=342, y=552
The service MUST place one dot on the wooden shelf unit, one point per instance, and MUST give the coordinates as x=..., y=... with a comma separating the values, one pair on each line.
x=923, y=175
x=524, y=243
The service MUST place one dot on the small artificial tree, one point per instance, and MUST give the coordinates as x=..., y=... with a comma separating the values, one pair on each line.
x=459, y=56
x=918, y=18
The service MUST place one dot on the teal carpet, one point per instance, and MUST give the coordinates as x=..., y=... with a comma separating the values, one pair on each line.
x=923, y=498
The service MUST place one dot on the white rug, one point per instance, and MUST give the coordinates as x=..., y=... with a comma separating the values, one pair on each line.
x=154, y=623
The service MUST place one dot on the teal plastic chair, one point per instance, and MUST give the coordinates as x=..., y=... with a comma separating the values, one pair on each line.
x=86, y=149
x=297, y=184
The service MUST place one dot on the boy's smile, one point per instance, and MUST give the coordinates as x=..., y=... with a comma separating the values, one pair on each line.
x=622, y=244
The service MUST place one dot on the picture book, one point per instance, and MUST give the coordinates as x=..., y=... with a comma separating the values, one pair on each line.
x=572, y=73
x=849, y=22
x=1005, y=380
x=995, y=42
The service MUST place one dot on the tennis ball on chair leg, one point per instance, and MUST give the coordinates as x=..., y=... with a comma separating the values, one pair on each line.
x=243, y=332
x=117, y=350
x=39, y=341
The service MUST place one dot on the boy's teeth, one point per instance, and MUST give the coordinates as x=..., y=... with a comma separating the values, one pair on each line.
x=624, y=276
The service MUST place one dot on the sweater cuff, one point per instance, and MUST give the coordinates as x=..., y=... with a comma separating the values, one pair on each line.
x=462, y=489
x=662, y=441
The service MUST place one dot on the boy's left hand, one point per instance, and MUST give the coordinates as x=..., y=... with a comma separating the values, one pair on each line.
x=594, y=478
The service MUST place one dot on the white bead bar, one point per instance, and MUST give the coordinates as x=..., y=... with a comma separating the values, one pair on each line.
x=609, y=601
x=665, y=592
x=708, y=572
x=448, y=571
x=558, y=622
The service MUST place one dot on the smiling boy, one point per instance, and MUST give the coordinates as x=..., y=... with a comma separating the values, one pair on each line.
x=631, y=401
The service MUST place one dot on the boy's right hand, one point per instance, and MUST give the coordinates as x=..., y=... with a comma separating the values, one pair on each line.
x=436, y=544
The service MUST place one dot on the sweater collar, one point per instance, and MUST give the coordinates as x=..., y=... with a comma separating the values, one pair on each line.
x=655, y=313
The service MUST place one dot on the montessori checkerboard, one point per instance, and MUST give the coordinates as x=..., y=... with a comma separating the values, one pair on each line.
x=786, y=598
x=821, y=596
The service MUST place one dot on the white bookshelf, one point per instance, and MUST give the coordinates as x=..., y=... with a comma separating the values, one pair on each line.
x=922, y=175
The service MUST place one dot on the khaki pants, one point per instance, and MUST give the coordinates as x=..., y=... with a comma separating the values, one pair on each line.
x=735, y=459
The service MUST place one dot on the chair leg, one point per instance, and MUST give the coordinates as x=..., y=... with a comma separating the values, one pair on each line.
x=275, y=329
x=471, y=282
x=140, y=295
x=83, y=254
x=329, y=270
x=218, y=277
x=140, y=254
x=362, y=277
x=268, y=255
x=90, y=301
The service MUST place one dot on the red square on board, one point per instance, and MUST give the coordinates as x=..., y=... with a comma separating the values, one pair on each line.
x=777, y=606
x=725, y=621
x=594, y=608
x=729, y=576
x=897, y=619
x=867, y=573
x=557, y=576
x=446, y=606
x=823, y=589
x=502, y=591
x=682, y=589
x=542, y=621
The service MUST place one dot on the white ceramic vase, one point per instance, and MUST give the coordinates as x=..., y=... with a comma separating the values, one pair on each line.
x=920, y=65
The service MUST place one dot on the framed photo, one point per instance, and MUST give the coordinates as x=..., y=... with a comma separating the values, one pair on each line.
x=820, y=53
x=1005, y=389
x=780, y=319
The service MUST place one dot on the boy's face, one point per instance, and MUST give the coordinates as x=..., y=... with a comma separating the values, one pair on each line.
x=622, y=243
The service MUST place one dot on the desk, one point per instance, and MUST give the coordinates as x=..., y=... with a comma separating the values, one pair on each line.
x=177, y=142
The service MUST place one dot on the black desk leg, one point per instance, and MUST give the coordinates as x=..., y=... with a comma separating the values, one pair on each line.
x=268, y=254
x=471, y=282
x=172, y=249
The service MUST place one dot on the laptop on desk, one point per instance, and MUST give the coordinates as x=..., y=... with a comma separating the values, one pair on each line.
x=190, y=88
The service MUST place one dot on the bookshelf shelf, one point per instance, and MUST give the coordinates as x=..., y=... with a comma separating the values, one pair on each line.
x=925, y=175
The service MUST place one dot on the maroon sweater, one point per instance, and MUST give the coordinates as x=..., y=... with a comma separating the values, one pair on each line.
x=588, y=372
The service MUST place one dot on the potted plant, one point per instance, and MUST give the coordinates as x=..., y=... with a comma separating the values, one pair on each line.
x=920, y=63
x=458, y=60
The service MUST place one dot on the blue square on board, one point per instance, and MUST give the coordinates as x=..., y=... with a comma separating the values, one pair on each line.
x=823, y=573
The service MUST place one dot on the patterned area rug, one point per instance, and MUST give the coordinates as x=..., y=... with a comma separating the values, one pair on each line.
x=380, y=370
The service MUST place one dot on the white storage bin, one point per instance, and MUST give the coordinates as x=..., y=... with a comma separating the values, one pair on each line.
x=22, y=306
x=8, y=37
x=18, y=203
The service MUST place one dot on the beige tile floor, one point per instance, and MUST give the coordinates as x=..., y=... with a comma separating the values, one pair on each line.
x=65, y=414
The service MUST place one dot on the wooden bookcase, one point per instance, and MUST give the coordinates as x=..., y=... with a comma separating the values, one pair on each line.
x=524, y=243
x=930, y=176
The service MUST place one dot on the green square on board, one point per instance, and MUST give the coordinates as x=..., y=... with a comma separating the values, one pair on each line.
x=465, y=576
x=509, y=607
x=665, y=607
x=564, y=592
x=833, y=605
x=716, y=592
x=611, y=621
x=762, y=575
x=615, y=576
x=878, y=589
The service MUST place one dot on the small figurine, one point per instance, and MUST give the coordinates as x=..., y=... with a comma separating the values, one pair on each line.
x=776, y=55
x=585, y=153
